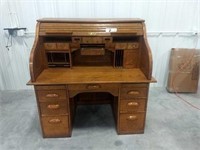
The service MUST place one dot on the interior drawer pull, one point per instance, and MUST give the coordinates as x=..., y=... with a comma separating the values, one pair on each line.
x=133, y=92
x=132, y=117
x=53, y=106
x=52, y=95
x=133, y=104
x=95, y=86
x=55, y=121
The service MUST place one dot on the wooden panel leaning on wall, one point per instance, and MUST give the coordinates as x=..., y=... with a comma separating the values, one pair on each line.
x=87, y=61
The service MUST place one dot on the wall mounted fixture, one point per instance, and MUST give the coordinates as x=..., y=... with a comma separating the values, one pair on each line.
x=12, y=33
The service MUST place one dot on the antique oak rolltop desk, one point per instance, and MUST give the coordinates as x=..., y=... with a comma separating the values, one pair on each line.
x=80, y=61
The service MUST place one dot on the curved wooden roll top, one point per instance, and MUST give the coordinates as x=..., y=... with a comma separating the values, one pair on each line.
x=125, y=38
x=90, y=29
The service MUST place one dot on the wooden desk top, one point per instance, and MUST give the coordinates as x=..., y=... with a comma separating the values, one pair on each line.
x=81, y=75
x=89, y=20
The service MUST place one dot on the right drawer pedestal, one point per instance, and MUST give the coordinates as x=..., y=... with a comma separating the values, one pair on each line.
x=132, y=108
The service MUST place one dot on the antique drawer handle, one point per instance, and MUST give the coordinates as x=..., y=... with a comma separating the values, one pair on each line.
x=133, y=92
x=107, y=39
x=132, y=117
x=133, y=104
x=53, y=106
x=95, y=86
x=52, y=95
x=77, y=39
x=55, y=121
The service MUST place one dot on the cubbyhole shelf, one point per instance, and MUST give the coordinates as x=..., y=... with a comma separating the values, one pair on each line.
x=58, y=59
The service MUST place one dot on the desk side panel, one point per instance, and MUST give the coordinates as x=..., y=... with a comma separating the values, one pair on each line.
x=146, y=56
x=36, y=61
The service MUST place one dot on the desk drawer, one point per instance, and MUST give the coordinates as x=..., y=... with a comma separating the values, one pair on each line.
x=54, y=108
x=129, y=91
x=132, y=105
x=55, y=126
x=51, y=95
x=50, y=46
x=76, y=88
x=51, y=87
x=63, y=46
x=131, y=123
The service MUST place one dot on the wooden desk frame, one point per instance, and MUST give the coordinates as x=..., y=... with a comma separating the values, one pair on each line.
x=80, y=61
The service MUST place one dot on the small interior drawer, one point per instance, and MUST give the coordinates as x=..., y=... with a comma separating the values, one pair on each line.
x=50, y=46
x=92, y=39
x=129, y=91
x=131, y=123
x=107, y=39
x=132, y=45
x=63, y=46
x=132, y=105
x=51, y=95
x=55, y=126
x=54, y=108
x=121, y=46
x=56, y=46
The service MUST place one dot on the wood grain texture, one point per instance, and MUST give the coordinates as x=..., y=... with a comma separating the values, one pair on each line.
x=78, y=75
x=110, y=63
x=99, y=20
x=146, y=61
x=36, y=61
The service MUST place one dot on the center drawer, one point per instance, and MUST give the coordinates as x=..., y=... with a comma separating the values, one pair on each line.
x=77, y=88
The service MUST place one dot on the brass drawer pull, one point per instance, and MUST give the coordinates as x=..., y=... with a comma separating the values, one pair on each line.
x=133, y=92
x=52, y=95
x=133, y=117
x=95, y=86
x=53, y=106
x=133, y=104
x=55, y=121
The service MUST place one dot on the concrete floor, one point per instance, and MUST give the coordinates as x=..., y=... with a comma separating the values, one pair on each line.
x=170, y=125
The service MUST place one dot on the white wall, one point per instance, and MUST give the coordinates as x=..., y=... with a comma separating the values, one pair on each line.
x=170, y=23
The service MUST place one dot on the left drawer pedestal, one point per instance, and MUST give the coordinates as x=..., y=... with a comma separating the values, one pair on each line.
x=53, y=108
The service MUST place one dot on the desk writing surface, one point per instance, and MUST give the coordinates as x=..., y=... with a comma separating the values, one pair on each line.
x=78, y=75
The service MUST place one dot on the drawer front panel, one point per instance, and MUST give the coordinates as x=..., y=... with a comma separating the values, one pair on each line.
x=57, y=126
x=51, y=87
x=132, y=105
x=77, y=88
x=50, y=46
x=51, y=95
x=129, y=91
x=63, y=46
x=132, y=45
x=131, y=123
x=54, y=108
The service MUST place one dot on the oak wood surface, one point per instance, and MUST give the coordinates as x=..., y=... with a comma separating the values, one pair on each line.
x=112, y=20
x=78, y=75
x=109, y=62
